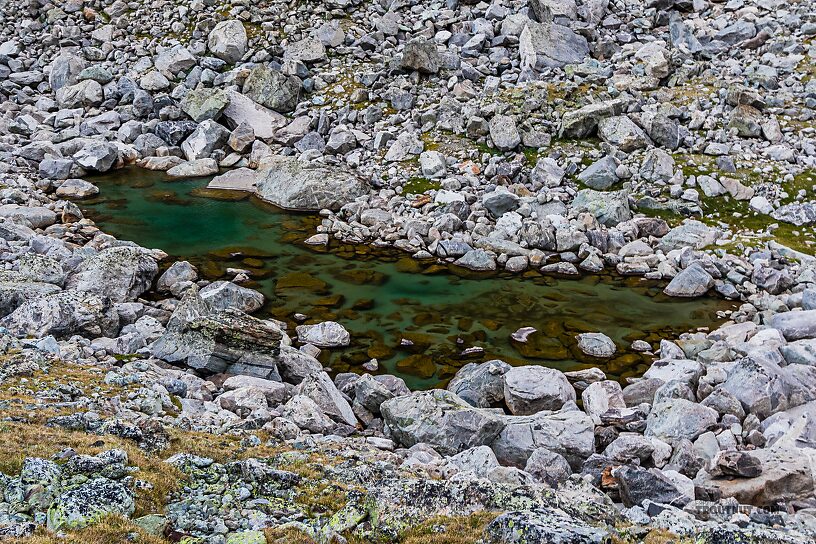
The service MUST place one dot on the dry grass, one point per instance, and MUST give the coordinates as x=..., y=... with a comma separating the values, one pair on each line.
x=21, y=440
x=110, y=530
x=449, y=530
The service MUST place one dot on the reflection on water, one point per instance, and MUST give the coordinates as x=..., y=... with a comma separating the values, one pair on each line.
x=419, y=320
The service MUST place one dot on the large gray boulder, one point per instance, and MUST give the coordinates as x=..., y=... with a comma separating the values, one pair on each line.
x=228, y=41
x=243, y=110
x=441, y=419
x=420, y=55
x=36, y=217
x=97, y=156
x=543, y=45
x=290, y=184
x=85, y=94
x=206, y=138
x=119, y=273
x=759, y=385
x=174, y=60
x=691, y=282
x=480, y=384
x=504, y=133
x=225, y=295
x=273, y=89
x=623, y=133
x=676, y=419
x=584, y=121
x=692, y=234
x=320, y=388
x=531, y=389
x=795, y=325
x=328, y=334
x=204, y=103
x=16, y=291
x=89, y=502
x=609, y=208
x=219, y=341
x=569, y=433
x=601, y=174
x=64, y=70
x=62, y=315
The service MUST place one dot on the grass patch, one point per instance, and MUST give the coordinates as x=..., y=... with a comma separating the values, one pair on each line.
x=108, y=530
x=419, y=185
x=449, y=530
x=19, y=440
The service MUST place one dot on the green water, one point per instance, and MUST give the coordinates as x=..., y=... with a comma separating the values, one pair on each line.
x=416, y=318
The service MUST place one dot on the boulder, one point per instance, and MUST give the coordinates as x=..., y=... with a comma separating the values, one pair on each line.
x=204, y=103
x=179, y=271
x=119, y=273
x=795, y=325
x=174, y=60
x=480, y=384
x=294, y=185
x=228, y=41
x=16, y=292
x=420, y=55
x=62, y=315
x=307, y=50
x=328, y=334
x=243, y=110
x=787, y=475
x=569, y=433
x=77, y=189
x=677, y=419
x=97, y=156
x=194, y=169
x=273, y=89
x=320, y=388
x=218, y=341
x=88, y=503
x=693, y=281
x=637, y=484
x=35, y=217
x=601, y=174
x=583, y=122
x=441, y=419
x=504, y=133
x=548, y=467
x=609, y=208
x=623, y=133
x=225, y=295
x=206, y=138
x=543, y=45
x=531, y=389
x=596, y=344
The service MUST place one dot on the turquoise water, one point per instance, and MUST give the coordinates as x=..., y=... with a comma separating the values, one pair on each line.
x=418, y=319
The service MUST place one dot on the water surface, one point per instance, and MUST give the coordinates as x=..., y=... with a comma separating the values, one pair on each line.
x=421, y=321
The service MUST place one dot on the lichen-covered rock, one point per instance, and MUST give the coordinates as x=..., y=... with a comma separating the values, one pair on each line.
x=542, y=526
x=89, y=503
x=218, y=341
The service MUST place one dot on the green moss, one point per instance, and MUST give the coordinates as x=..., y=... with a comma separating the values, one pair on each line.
x=419, y=185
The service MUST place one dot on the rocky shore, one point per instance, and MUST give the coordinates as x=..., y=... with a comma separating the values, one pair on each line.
x=669, y=140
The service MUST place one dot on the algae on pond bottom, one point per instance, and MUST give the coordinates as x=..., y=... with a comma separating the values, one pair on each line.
x=394, y=307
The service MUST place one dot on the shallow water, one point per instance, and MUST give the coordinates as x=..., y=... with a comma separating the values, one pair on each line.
x=416, y=318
